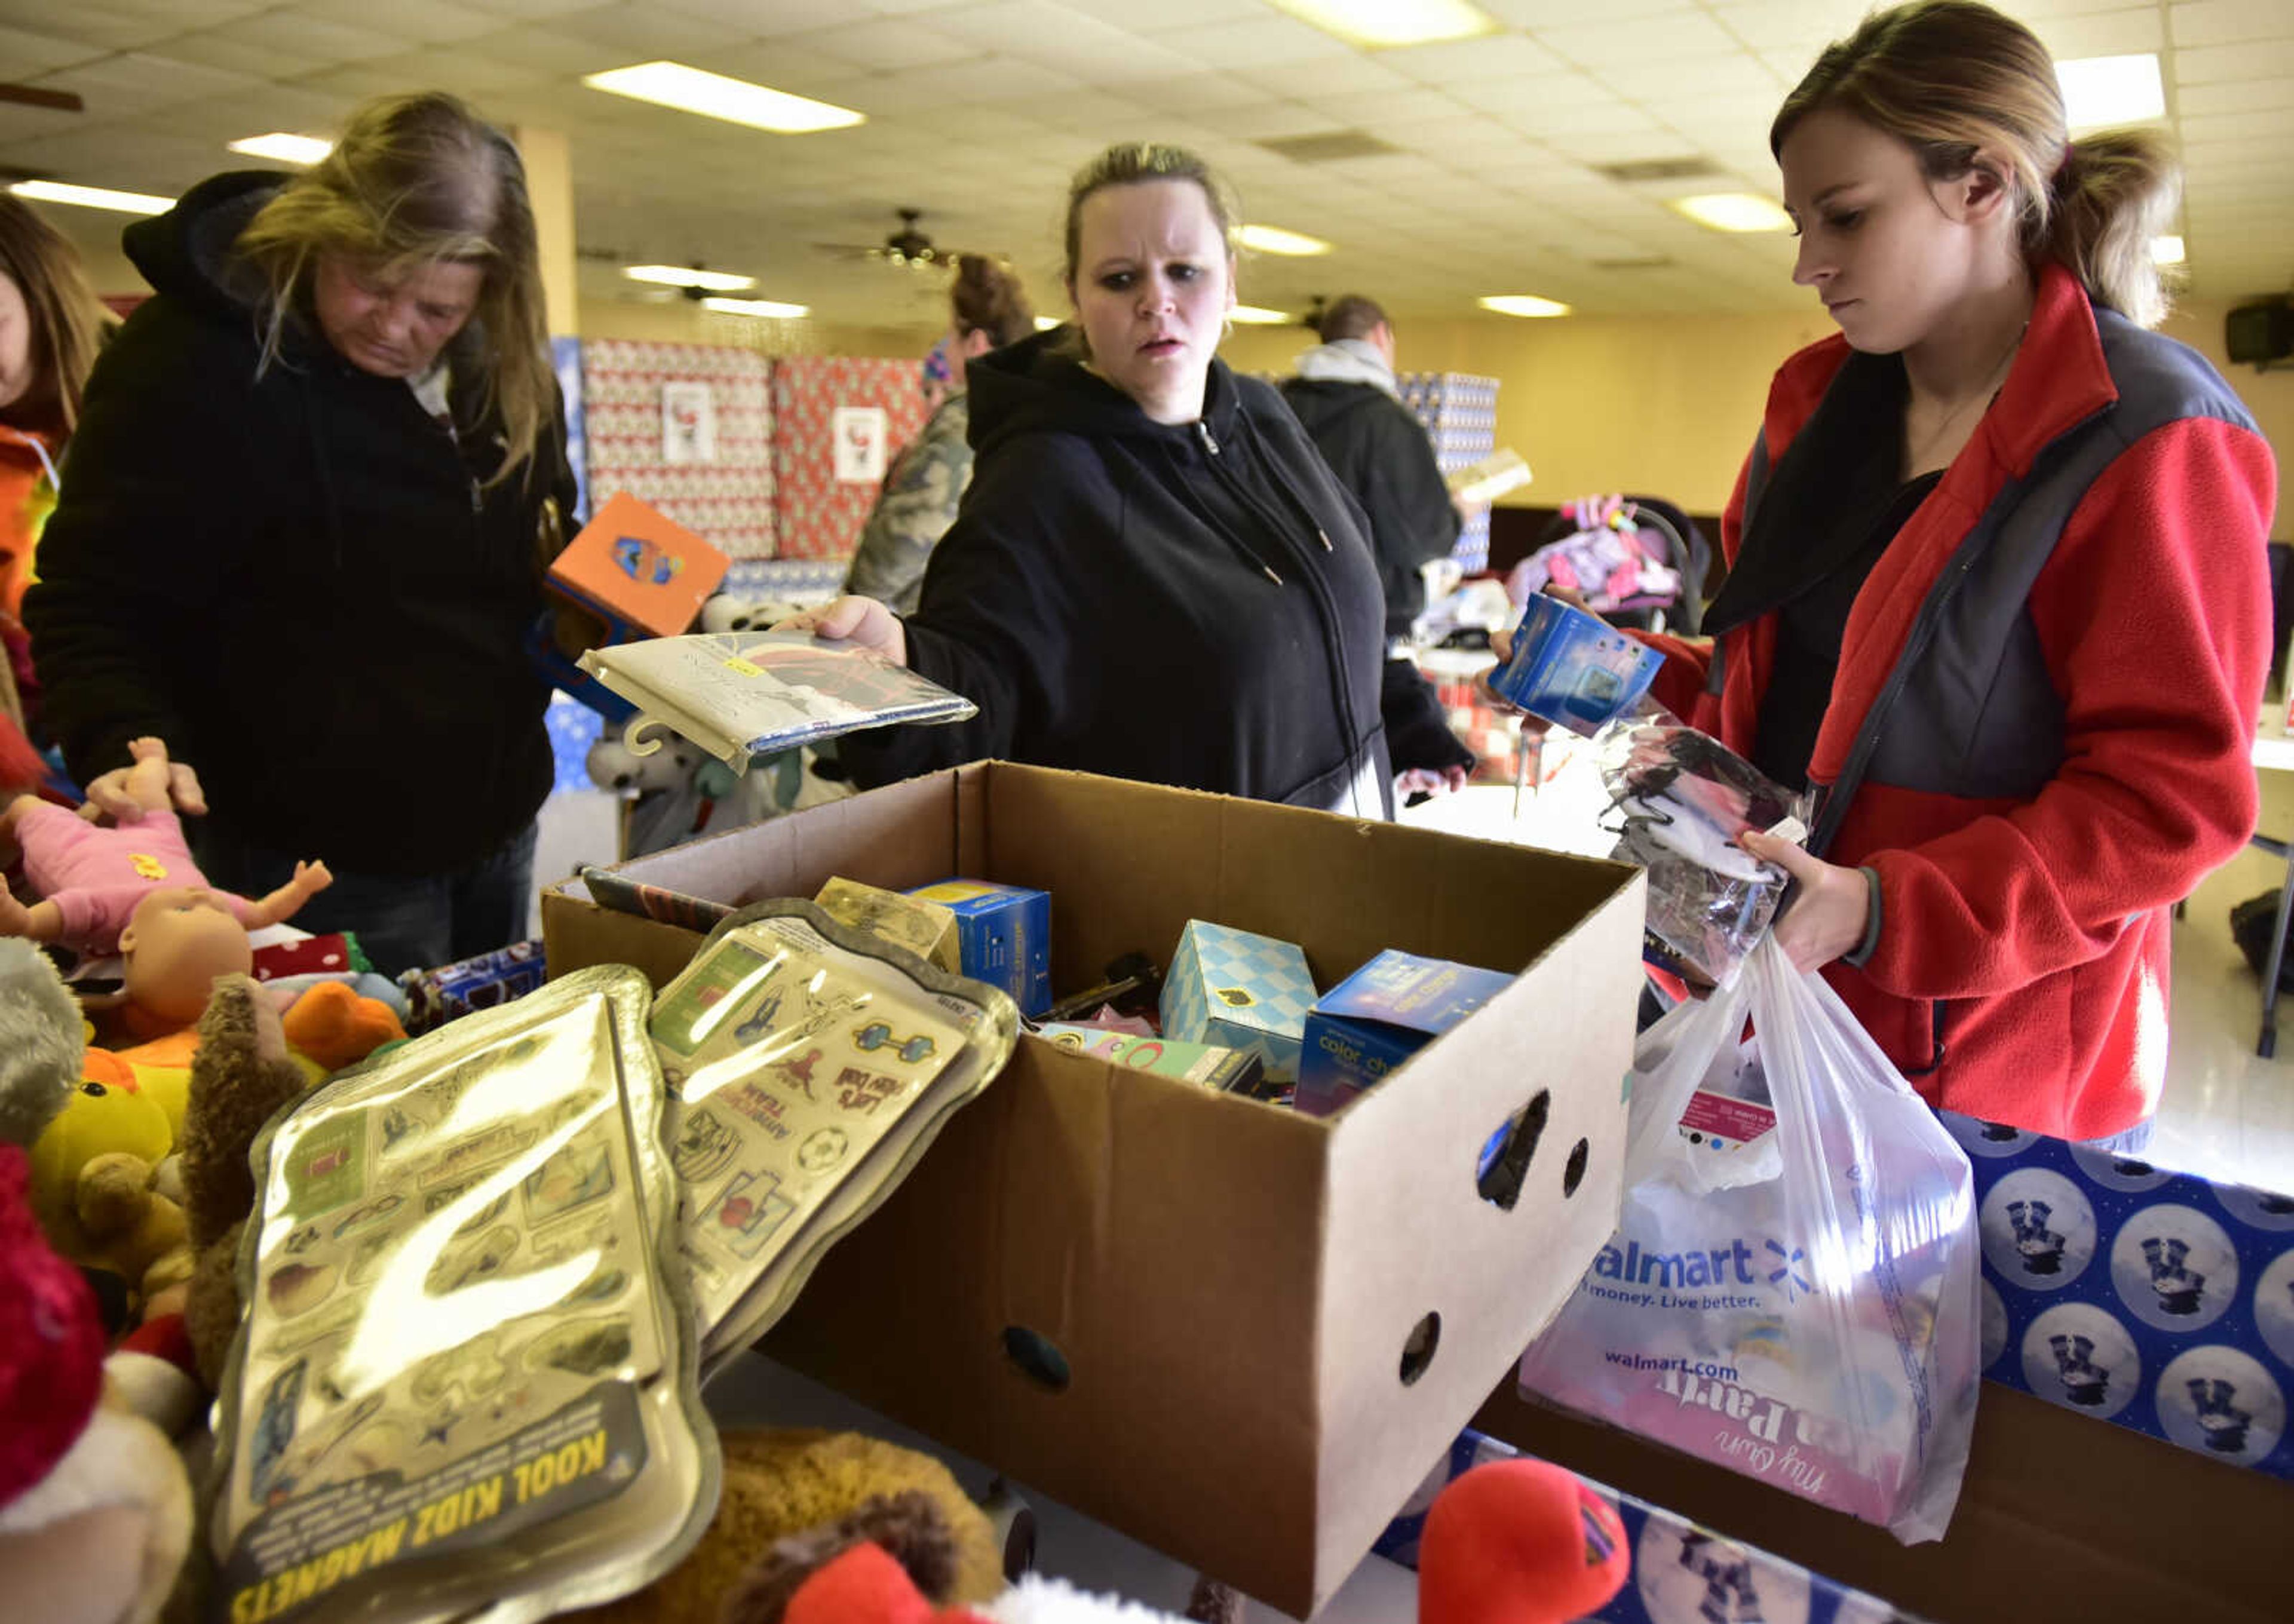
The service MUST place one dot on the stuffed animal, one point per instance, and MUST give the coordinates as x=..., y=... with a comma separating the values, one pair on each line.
x=781, y=1482
x=95, y=1511
x=242, y=1074
x=134, y=889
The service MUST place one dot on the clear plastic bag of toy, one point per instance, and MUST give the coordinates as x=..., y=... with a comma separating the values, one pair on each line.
x=1807, y=1317
x=1678, y=801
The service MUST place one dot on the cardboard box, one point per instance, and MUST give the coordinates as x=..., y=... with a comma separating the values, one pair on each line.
x=1231, y=1287
x=2061, y=1519
x=1003, y=935
x=1374, y=1020
x=1240, y=990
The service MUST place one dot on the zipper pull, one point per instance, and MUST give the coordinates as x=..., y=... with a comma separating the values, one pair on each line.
x=1323, y=536
x=1210, y=444
x=477, y=499
x=1271, y=575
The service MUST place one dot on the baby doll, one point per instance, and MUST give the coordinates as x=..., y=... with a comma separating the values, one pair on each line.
x=133, y=889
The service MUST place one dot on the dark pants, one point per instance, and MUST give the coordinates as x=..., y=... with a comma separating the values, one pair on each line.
x=402, y=922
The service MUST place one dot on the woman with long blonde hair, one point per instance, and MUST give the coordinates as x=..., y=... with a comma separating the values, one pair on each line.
x=302, y=535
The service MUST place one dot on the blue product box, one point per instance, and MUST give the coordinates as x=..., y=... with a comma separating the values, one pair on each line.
x=1004, y=933
x=1378, y=1017
x=1237, y=990
x=1573, y=668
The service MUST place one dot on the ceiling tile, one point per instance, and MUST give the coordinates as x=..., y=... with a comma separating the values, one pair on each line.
x=1331, y=75
x=1165, y=15
x=1092, y=52
x=1552, y=91
x=2123, y=33
x=1417, y=105
x=1669, y=37
x=2246, y=95
x=1240, y=46
x=239, y=56
x=1267, y=118
x=1800, y=27
x=789, y=64
x=26, y=53
x=424, y=22
x=757, y=18
x=882, y=43
x=2271, y=59
x=1539, y=14
x=528, y=11
x=309, y=36
x=1503, y=56
x=123, y=85
x=1193, y=92
x=652, y=32
x=91, y=25
x=2226, y=22
x=2270, y=126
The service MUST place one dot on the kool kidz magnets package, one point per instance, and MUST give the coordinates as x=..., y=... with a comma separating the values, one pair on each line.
x=809, y=1065
x=467, y=1372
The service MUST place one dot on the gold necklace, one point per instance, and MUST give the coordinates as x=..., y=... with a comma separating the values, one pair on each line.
x=1988, y=392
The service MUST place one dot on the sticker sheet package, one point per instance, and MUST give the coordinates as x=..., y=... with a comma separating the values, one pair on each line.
x=742, y=694
x=1808, y=1321
x=466, y=1381
x=1240, y=991
x=1003, y=935
x=1574, y=668
x=1376, y=1019
x=1227, y=1070
x=809, y=1065
x=926, y=928
x=1678, y=799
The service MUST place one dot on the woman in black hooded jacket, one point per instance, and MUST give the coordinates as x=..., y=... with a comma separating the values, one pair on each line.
x=1154, y=574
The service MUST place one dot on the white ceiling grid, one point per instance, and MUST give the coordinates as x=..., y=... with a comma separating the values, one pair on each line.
x=979, y=109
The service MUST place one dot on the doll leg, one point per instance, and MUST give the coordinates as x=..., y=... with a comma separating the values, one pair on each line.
x=147, y=777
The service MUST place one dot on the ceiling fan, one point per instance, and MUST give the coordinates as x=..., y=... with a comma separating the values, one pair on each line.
x=909, y=246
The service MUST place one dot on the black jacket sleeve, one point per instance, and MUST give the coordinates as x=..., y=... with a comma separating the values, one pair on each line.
x=996, y=623
x=1416, y=727
x=136, y=555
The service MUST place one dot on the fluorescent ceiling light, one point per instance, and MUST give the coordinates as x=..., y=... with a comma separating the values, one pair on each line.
x=1523, y=304
x=685, y=276
x=1275, y=239
x=287, y=148
x=1734, y=211
x=93, y=197
x=689, y=90
x=770, y=308
x=1258, y=315
x=2107, y=90
x=1376, y=23
x=2167, y=250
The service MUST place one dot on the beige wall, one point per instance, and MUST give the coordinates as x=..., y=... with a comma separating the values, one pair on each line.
x=1668, y=405
x=549, y=191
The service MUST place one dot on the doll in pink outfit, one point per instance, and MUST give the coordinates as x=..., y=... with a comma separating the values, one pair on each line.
x=134, y=890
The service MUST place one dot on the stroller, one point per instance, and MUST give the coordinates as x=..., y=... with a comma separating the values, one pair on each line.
x=1638, y=560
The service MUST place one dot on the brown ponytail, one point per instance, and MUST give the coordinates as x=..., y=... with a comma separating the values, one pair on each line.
x=1954, y=81
x=988, y=298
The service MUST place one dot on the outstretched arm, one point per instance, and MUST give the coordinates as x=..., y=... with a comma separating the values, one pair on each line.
x=279, y=907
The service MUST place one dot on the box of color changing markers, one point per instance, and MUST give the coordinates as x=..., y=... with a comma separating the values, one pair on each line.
x=1375, y=1020
x=1234, y=990
x=1003, y=935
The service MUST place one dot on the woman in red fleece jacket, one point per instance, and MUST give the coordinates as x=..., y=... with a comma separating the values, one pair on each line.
x=1998, y=587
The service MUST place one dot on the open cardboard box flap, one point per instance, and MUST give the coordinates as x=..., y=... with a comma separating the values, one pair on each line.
x=1241, y=1296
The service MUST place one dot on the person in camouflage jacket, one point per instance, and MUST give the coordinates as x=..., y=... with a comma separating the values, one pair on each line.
x=927, y=480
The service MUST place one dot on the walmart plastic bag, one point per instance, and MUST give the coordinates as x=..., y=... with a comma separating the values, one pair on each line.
x=1792, y=1289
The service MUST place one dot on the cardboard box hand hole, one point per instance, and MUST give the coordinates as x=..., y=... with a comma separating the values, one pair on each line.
x=1417, y=1352
x=1038, y=1358
x=1500, y=1181
x=1574, y=1173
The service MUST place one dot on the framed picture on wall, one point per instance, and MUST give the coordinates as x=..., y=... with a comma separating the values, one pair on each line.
x=858, y=432
x=688, y=422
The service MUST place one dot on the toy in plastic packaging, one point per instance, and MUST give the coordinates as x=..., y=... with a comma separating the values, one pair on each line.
x=465, y=1384
x=811, y=1064
x=1573, y=668
x=1813, y=1322
x=742, y=694
x=1678, y=799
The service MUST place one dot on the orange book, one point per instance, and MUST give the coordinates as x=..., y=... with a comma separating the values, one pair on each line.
x=638, y=569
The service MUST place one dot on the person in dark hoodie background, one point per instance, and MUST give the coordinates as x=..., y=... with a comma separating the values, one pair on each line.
x=1345, y=397
x=315, y=482
x=1154, y=575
